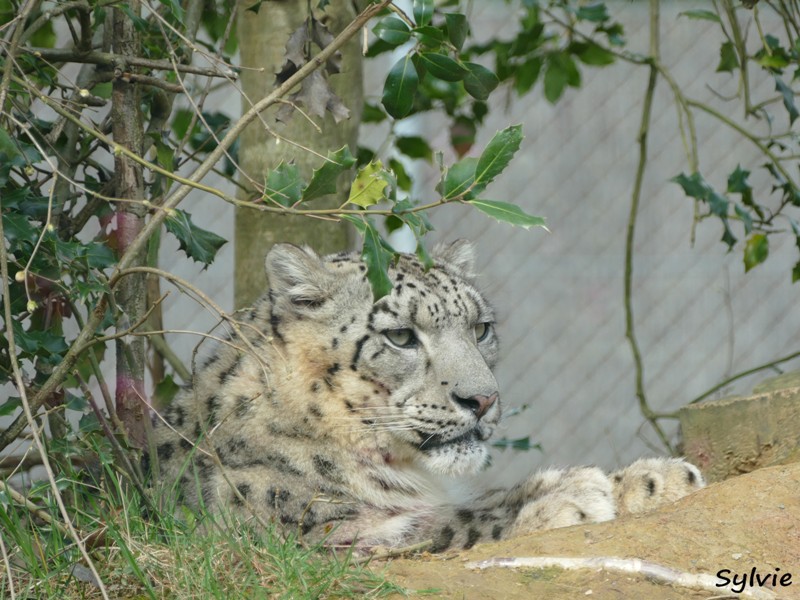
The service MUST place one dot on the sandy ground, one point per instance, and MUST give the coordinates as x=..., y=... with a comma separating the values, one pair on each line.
x=745, y=522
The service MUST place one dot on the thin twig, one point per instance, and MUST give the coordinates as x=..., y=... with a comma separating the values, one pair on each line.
x=393, y=552
x=738, y=376
x=109, y=59
x=636, y=195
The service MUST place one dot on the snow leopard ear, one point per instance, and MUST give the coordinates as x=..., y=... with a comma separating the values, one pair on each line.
x=299, y=275
x=458, y=256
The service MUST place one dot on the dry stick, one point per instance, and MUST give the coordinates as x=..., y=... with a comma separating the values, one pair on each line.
x=87, y=332
x=634, y=566
x=7, y=563
x=630, y=333
x=109, y=59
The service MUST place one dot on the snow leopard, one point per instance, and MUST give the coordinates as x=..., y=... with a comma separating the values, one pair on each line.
x=350, y=421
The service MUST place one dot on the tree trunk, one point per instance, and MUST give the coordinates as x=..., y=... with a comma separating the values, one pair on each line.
x=262, y=39
x=130, y=293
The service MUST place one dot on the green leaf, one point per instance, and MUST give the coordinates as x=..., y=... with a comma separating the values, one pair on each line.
x=480, y=81
x=457, y=29
x=699, y=13
x=323, y=181
x=372, y=114
x=595, y=12
x=595, y=55
x=728, y=59
x=693, y=185
x=414, y=147
x=98, y=255
x=745, y=218
x=497, y=154
x=10, y=406
x=443, y=67
x=527, y=74
x=7, y=145
x=45, y=36
x=283, y=185
x=76, y=403
x=458, y=179
x=727, y=235
x=796, y=272
x=738, y=184
x=39, y=343
x=369, y=185
x=429, y=36
x=198, y=244
x=423, y=11
x=401, y=175
x=165, y=390
x=520, y=444
x=508, y=213
x=788, y=98
x=392, y=30
x=16, y=228
x=400, y=87
x=756, y=251
x=555, y=79
x=376, y=254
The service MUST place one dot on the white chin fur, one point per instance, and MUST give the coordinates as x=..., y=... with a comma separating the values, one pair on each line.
x=458, y=459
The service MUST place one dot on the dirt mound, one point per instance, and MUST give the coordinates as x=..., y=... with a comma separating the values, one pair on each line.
x=745, y=523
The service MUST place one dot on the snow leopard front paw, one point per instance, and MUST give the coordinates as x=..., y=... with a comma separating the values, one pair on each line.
x=651, y=482
x=563, y=498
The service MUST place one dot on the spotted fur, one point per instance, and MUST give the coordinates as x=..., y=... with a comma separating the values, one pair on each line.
x=355, y=421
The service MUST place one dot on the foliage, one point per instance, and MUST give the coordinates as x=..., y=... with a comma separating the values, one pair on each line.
x=768, y=126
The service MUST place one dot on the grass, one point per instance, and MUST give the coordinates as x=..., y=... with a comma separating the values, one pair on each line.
x=139, y=556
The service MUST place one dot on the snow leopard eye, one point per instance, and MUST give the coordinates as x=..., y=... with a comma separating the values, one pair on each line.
x=482, y=331
x=401, y=338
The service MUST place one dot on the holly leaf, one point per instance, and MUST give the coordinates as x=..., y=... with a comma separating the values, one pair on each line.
x=198, y=244
x=414, y=147
x=400, y=87
x=458, y=179
x=423, y=11
x=457, y=29
x=392, y=30
x=376, y=254
x=756, y=251
x=497, y=154
x=693, y=185
x=295, y=55
x=788, y=98
x=508, y=213
x=323, y=181
x=479, y=81
x=283, y=185
x=443, y=67
x=728, y=59
x=369, y=185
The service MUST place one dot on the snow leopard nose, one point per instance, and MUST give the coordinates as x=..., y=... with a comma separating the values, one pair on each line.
x=478, y=405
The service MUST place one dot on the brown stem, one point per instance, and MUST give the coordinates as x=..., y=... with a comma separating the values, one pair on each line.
x=111, y=59
x=636, y=196
x=130, y=294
